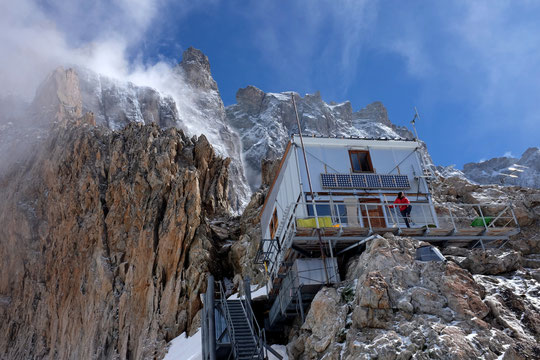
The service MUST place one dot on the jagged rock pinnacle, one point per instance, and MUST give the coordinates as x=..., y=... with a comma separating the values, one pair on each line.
x=196, y=68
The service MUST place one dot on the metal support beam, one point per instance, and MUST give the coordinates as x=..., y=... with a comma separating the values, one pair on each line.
x=300, y=303
x=421, y=237
x=300, y=251
x=204, y=327
x=247, y=295
x=211, y=319
x=357, y=244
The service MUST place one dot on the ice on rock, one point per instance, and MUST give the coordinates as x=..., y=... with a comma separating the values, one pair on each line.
x=266, y=120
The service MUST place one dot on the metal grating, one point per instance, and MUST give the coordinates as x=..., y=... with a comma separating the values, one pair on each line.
x=364, y=181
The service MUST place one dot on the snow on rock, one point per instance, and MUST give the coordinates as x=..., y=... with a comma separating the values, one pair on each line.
x=281, y=350
x=488, y=172
x=189, y=100
x=256, y=293
x=400, y=308
x=266, y=120
x=515, y=303
x=453, y=191
x=183, y=347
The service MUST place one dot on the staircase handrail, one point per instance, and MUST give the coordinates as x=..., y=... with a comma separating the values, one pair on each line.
x=258, y=335
x=227, y=314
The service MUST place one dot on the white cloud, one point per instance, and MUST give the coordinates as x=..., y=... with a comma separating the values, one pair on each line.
x=481, y=54
x=36, y=37
x=300, y=39
x=508, y=154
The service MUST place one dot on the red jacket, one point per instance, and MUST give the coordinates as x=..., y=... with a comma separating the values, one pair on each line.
x=403, y=200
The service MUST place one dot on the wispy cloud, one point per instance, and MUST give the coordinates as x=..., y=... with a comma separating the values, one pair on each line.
x=37, y=37
x=105, y=36
x=481, y=53
x=508, y=154
x=300, y=39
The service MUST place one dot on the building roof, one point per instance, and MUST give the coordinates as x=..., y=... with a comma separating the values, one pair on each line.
x=355, y=141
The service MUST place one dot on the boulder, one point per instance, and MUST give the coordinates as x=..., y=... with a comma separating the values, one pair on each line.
x=326, y=317
x=491, y=261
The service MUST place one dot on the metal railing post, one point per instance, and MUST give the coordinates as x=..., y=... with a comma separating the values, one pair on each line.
x=483, y=220
x=425, y=218
x=368, y=218
x=204, y=327
x=211, y=319
x=299, y=294
x=499, y=216
x=514, y=215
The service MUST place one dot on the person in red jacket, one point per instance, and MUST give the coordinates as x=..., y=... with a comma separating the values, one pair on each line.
x=405, y=208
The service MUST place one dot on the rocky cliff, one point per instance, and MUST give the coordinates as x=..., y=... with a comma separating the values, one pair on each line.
x=190, y=101
x=392, y=306
x=489, y=171
x=266, y=120
x=112, y=217
x=105, y=240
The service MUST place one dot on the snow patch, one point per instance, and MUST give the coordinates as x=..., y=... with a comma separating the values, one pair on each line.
x=185, y=348
x=256, y=293
x=281, y=350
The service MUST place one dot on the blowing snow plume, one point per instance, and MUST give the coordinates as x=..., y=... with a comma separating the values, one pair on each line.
x=99, y=43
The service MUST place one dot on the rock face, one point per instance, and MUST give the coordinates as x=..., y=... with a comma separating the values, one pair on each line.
x=486, y=262
x=394, y=307
x=487, y=172
x=204, y=113
x=194, y=105
x=115, y=103
x=525, y=201
x=105, y=247
x=266, y=120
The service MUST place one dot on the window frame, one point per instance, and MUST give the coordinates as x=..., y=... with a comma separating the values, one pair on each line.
x=368, y=160
x=273, y=224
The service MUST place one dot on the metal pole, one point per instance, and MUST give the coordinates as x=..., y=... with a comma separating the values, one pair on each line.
x=310, y=189
x=368, y=219
x=211, y=319
x=247, y=294
x=299, y=295
x=513, y=214
x=204, y=326
x=451, y=218
x=483, y=219
x=416, y=116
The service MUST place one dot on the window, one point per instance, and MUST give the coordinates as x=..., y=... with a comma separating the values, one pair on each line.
x=360, y=161
x=273, y=224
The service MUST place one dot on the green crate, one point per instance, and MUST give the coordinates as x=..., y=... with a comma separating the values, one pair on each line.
x=479, y=221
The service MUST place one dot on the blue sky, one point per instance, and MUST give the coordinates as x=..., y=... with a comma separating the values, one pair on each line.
x=471, y=67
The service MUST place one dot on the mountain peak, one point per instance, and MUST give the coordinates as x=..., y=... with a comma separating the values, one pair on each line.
x=58, y=97
x=196, y=68
x=375, y=111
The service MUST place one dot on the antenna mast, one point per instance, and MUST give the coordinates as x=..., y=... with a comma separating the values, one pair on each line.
x=323, y=255
x=413, y=121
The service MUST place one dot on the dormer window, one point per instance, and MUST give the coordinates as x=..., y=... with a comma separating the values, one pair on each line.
x=360, y=161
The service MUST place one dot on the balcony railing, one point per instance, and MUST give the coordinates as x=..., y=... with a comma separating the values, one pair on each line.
x=363, y=219
x=341, y=215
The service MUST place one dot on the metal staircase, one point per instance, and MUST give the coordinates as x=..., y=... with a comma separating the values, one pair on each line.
x=246, y=343
x=229, y=327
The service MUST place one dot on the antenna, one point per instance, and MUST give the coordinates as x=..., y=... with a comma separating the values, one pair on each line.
x=413, y=121
x=311, y=192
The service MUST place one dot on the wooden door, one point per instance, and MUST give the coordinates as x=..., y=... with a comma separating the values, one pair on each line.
x=375, y=212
